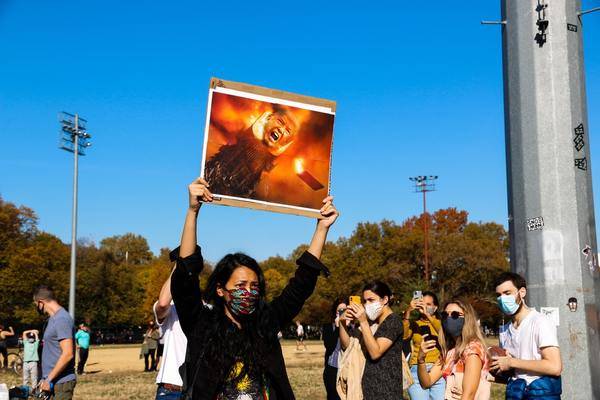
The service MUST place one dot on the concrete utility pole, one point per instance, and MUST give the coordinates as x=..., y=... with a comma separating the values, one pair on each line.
x=551, y=207
x=74, y=138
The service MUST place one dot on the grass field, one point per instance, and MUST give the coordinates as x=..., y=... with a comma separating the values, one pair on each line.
x=115, y=372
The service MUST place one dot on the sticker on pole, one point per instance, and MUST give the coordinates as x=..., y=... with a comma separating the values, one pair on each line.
x=552, y=314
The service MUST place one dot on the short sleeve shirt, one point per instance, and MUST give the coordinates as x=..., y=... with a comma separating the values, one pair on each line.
x=534, y=333
x=83, y=339
x=382, y=378
x=30, y=350
x=474, y=348
x=59, y=328
x=174, y=350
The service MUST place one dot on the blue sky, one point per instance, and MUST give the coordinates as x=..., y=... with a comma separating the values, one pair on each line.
x=418, y=86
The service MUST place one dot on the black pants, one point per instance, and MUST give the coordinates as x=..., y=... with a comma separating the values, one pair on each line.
x=330, y=380
x=83, y=356
x=4, y=353
x=151, y=354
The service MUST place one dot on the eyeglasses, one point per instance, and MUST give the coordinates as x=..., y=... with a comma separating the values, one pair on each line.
x=453, y=315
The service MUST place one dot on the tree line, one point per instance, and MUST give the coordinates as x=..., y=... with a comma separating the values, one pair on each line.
x=119, y=279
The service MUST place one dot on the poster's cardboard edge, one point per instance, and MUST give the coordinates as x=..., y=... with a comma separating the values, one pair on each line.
x=245, y=87
x=265, y=206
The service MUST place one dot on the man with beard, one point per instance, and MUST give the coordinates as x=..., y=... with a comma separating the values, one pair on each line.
x=530, y=341
x=236, y=169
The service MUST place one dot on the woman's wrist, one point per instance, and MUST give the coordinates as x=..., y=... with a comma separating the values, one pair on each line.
x=321, y=228
x=194, y=209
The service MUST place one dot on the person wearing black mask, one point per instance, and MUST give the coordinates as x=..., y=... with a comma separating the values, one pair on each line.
x=233, y=351
x=331, y=341
x=464, y=360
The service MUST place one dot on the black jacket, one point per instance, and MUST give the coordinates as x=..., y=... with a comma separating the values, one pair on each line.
x=331, y=335
x=194, y=321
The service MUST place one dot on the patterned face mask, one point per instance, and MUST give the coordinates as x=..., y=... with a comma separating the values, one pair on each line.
x=243, y=301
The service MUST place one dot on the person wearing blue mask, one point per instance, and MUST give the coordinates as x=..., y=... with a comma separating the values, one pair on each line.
x=531, y=344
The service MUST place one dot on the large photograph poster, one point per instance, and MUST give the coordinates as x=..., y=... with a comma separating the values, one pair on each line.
x=267, y=149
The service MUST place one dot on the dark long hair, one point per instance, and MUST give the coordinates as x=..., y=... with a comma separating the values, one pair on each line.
x=381, y=289
x=225, y=343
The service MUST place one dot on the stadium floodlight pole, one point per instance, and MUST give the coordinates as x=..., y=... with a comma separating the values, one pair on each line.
x=424, y=184
x=75, y=139
x=551, y=221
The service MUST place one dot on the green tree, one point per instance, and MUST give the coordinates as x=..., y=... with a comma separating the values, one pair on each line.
x=128, y=248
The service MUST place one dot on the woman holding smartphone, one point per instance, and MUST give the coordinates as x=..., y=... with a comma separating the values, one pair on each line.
x=380, y=332
x=464, y=361
x=427, y=323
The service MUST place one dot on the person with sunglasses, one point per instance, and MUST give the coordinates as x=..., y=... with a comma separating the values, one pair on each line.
x=427, y=322
x=464, y=361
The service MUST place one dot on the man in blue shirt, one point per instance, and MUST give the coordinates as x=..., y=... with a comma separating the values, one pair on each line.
x=58, y=361
x=83, y=344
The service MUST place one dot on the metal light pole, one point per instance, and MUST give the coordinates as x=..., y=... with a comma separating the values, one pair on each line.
x=74, y=138
x=424, y=184
x=551, y=206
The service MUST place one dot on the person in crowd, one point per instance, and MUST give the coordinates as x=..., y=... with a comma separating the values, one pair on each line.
x=531, y=344
x=149, y=347
x=31, y=342
x=300, y=336
x=161, y=348
x=82, y=338
x=427, y=323
x=331, y=340
x=233, y=351
x=463, y=361
x=58, y=353
x=380, y=331
x=168, y=380
x=3, y=345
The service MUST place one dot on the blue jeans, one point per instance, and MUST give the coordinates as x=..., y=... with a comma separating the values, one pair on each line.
x=164, y=394
x=416, y=392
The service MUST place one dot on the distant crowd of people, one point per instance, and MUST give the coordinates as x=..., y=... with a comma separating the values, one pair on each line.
x=223, y=343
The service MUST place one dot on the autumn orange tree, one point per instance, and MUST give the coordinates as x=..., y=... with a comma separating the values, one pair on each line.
x=119, y=280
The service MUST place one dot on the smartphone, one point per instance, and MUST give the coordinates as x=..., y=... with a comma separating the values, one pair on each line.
x=424, y=330
x=355, y=299
x=417, y=294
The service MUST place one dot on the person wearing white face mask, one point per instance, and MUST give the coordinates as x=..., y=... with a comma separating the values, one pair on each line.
x=381, y=332
x=531, y=343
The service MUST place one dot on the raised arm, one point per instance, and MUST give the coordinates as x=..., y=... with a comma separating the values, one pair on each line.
x=289, y=303
x=376, y=346
x=163, y=305
x=24, y=334
x=427, y=379
x=185, y=284
x=344, y=334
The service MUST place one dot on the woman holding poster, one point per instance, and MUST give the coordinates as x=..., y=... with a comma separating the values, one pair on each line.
x=233, y=351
